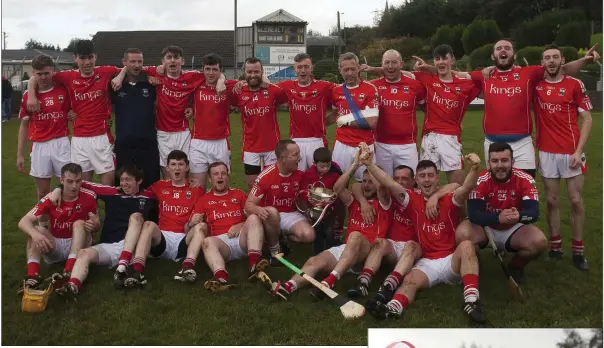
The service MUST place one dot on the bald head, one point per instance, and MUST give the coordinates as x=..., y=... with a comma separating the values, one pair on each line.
x=392, y=63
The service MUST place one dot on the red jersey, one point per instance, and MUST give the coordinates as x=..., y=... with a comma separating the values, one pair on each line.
x=311, y=176
x=446, y=103
x=402, y=229
x=51, y=121
x=557, y=109
x=499, y=196
x=90, y=99
x=277, y=190
x=173, y=98
x=222, y=211
x=397, y=124
x=212, y=112
x=308, y=107
x=176, y=203
x=64, y=215
x=377, y=229
x=365, y=95
x=435, y=236
x=259, y=117
x=507, y=99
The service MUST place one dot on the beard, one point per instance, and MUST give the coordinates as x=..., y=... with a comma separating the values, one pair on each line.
x=253, y=81
x=556, y=71
x=508, y=174
x=504, y=66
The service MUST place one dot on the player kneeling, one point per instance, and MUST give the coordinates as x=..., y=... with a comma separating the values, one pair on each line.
x=359, y=238
x=231, y=236
x=442, y=262
x=72, y=223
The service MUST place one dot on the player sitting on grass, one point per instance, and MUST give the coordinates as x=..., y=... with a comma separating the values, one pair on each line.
x=400, y=248
x=72, y=223
x=325, y=172
x=506, y=202
x=231, y=236
x=442, y=262
x=125, y=212
x=359, y=238
x=178, y=233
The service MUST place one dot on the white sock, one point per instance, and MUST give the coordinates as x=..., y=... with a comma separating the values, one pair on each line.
x=72, y=256
x=336, y=274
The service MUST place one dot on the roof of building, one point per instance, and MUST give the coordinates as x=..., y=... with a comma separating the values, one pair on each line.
x=327, y=41
x=280, y=16
x=195, y=44
x=28, y=54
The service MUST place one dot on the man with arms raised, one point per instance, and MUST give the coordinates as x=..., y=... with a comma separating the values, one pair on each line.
x=560, y=101
x=396, y=131
x=46, y=129
x=442, y=261
x=258, y=107
x=359, y=236
x=272, y=199
x=230, y=235
x=125, y=212
x=92, y=142
x=357, y=104
x=179, y=233
x=506, y=202
x=72, y=223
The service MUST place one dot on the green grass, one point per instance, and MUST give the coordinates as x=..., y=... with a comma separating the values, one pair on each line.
x=166, y=312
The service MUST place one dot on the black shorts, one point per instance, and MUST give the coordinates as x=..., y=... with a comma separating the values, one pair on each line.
x=158, y=250
x=251, y=169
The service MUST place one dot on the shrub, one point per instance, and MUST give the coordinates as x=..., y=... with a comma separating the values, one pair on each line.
x=531, y=53
x=574, y=34
x=479, y=33
x=543, y=29
x=481, y=57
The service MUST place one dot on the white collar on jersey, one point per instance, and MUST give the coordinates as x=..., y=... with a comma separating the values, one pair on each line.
x=221, y=194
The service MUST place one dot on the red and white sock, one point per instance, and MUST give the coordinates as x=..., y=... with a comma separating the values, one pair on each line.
x=398, y=303
x=33, y=267
x=577, y=247
x=71, y=259
x=365, y=277
x=221, y=275
x=76, y=283
x=393, y=280
x=188, y=263
x=253, y=256
x=124, y=260
x=331, y=279
x=555, y=243
x=470, y=287
x=290, y=286
x=275, y=249
x=138, y=264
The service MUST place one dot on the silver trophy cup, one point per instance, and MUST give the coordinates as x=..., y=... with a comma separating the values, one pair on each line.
x=315, y=202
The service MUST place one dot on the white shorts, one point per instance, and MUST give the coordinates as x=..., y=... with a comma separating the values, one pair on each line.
x=288, y=220
x=205, y=152
x=236, y=253
x=109, y=253
x=398, y=247
x=61, y=251
x=500, y=237
x=391, y=156
x=47, y=158
x=438, y=270
x=307, y=149
x=253, y=158
x=524, y=152
x=173, y=241
x=442, y=149
x=337, y=251
x=170, y=141
x=557, y=165
x=93, y=153
x=343, y=155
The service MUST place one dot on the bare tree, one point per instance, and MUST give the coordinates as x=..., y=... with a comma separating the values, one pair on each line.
x=573, y=340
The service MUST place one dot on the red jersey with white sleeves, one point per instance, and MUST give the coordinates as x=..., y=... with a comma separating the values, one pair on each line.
x=212, y=112
x=446, y=103
x=365, y=96
x=90, y=99
x=173, y=98
x=402, y=229
x=397, y=124
x=507, y=99
x=175, y=203
x=377, y=229
x=312, y=176
x=51, y=121
x=499, y=196
x=64, y=215
x=222, y=211
x=308, y=106
x=557, y=109
x=277, y=190
x=259, y=117
x=435, y=236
